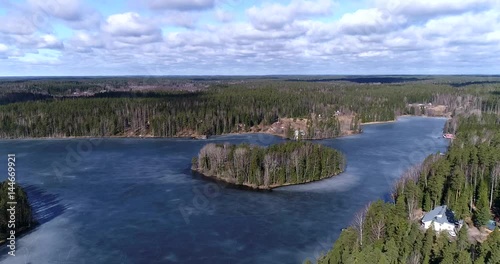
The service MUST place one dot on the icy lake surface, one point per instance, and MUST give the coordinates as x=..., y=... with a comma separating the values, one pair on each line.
x=136, y=201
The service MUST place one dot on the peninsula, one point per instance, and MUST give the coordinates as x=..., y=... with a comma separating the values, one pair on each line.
x=16, y=216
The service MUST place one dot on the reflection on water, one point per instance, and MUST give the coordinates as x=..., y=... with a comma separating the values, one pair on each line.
x=135, y=200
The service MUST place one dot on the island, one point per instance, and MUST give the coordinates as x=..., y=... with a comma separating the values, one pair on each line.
x=260, y=168
x=23, y=220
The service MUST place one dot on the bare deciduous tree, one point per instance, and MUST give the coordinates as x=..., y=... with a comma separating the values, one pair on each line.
x=268, y=161
x=240, y=155
x=378, y=229
x=414, y=258
x=296, y=161
x=205, y=159
x=359, y=222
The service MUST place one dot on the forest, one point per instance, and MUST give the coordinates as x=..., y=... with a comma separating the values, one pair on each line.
x=466, y=179
x=24, y=216
x=155, y=107
x=293, y=162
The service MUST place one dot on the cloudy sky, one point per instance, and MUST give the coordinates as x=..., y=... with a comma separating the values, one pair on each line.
x=236, y=37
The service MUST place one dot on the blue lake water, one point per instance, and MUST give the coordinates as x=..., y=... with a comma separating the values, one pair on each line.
x=136, y=201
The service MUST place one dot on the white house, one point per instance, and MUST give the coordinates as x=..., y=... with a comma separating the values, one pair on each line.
x=440, y=219
x=299, y=132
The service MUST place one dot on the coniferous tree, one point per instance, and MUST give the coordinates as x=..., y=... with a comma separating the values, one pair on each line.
x=482, y=213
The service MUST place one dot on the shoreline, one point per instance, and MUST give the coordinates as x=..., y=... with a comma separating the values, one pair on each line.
x=379, y=122
x=249, y=187
x=204, y=137
x=161, y=137
x=21, y=232
x=396, y=120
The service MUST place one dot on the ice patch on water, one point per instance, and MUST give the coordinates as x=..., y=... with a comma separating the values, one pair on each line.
x=340, y=183
x=171, y=258
x=52, y=242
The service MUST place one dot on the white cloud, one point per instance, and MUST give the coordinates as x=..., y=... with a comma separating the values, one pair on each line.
x=294, y=37
x=370, y=21
x=18, y=24
x=181, y=5
x=3, y=48
x=85, y=41
x=131, y=28
x=70, y=10
x=49, y=42
x=430, y=8
x=180, y=19
x=74, y=13
x=276, y=16
x=30, y=43
x=372, y=53
x=223, y=16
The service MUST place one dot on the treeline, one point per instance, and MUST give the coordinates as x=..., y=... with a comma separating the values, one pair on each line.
x=18, y=97
x=64, y=86
x=24, y=216
x=55, y=86
x=220, y=109
x=466, y=179
x=280, y=164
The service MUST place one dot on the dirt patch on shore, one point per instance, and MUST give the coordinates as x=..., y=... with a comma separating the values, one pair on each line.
x=437, y=110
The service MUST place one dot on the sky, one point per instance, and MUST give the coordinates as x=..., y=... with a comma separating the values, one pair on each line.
x=254, y=37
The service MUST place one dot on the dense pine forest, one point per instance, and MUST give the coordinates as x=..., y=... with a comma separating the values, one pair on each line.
x=320, y=108
x=265, y=168
x=466, y=179
x=24, y=216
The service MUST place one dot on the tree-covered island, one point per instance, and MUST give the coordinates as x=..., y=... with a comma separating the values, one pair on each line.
x=262, y=168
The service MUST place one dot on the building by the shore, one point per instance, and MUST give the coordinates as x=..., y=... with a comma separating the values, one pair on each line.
x=441, y=219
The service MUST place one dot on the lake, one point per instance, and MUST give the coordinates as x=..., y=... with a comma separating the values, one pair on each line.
x=124, y=200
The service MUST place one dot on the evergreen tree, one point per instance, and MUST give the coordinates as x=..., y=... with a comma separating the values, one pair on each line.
x=448, y=254
x=427, y=245
x=391, y=251
x=482, y=213
x=463, y=257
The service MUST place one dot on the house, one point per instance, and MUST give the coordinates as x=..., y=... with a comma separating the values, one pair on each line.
x=441, y=219
x=449, y=136
x=299, y=132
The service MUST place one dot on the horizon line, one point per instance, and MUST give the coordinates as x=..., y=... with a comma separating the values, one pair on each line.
x=242, y=75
